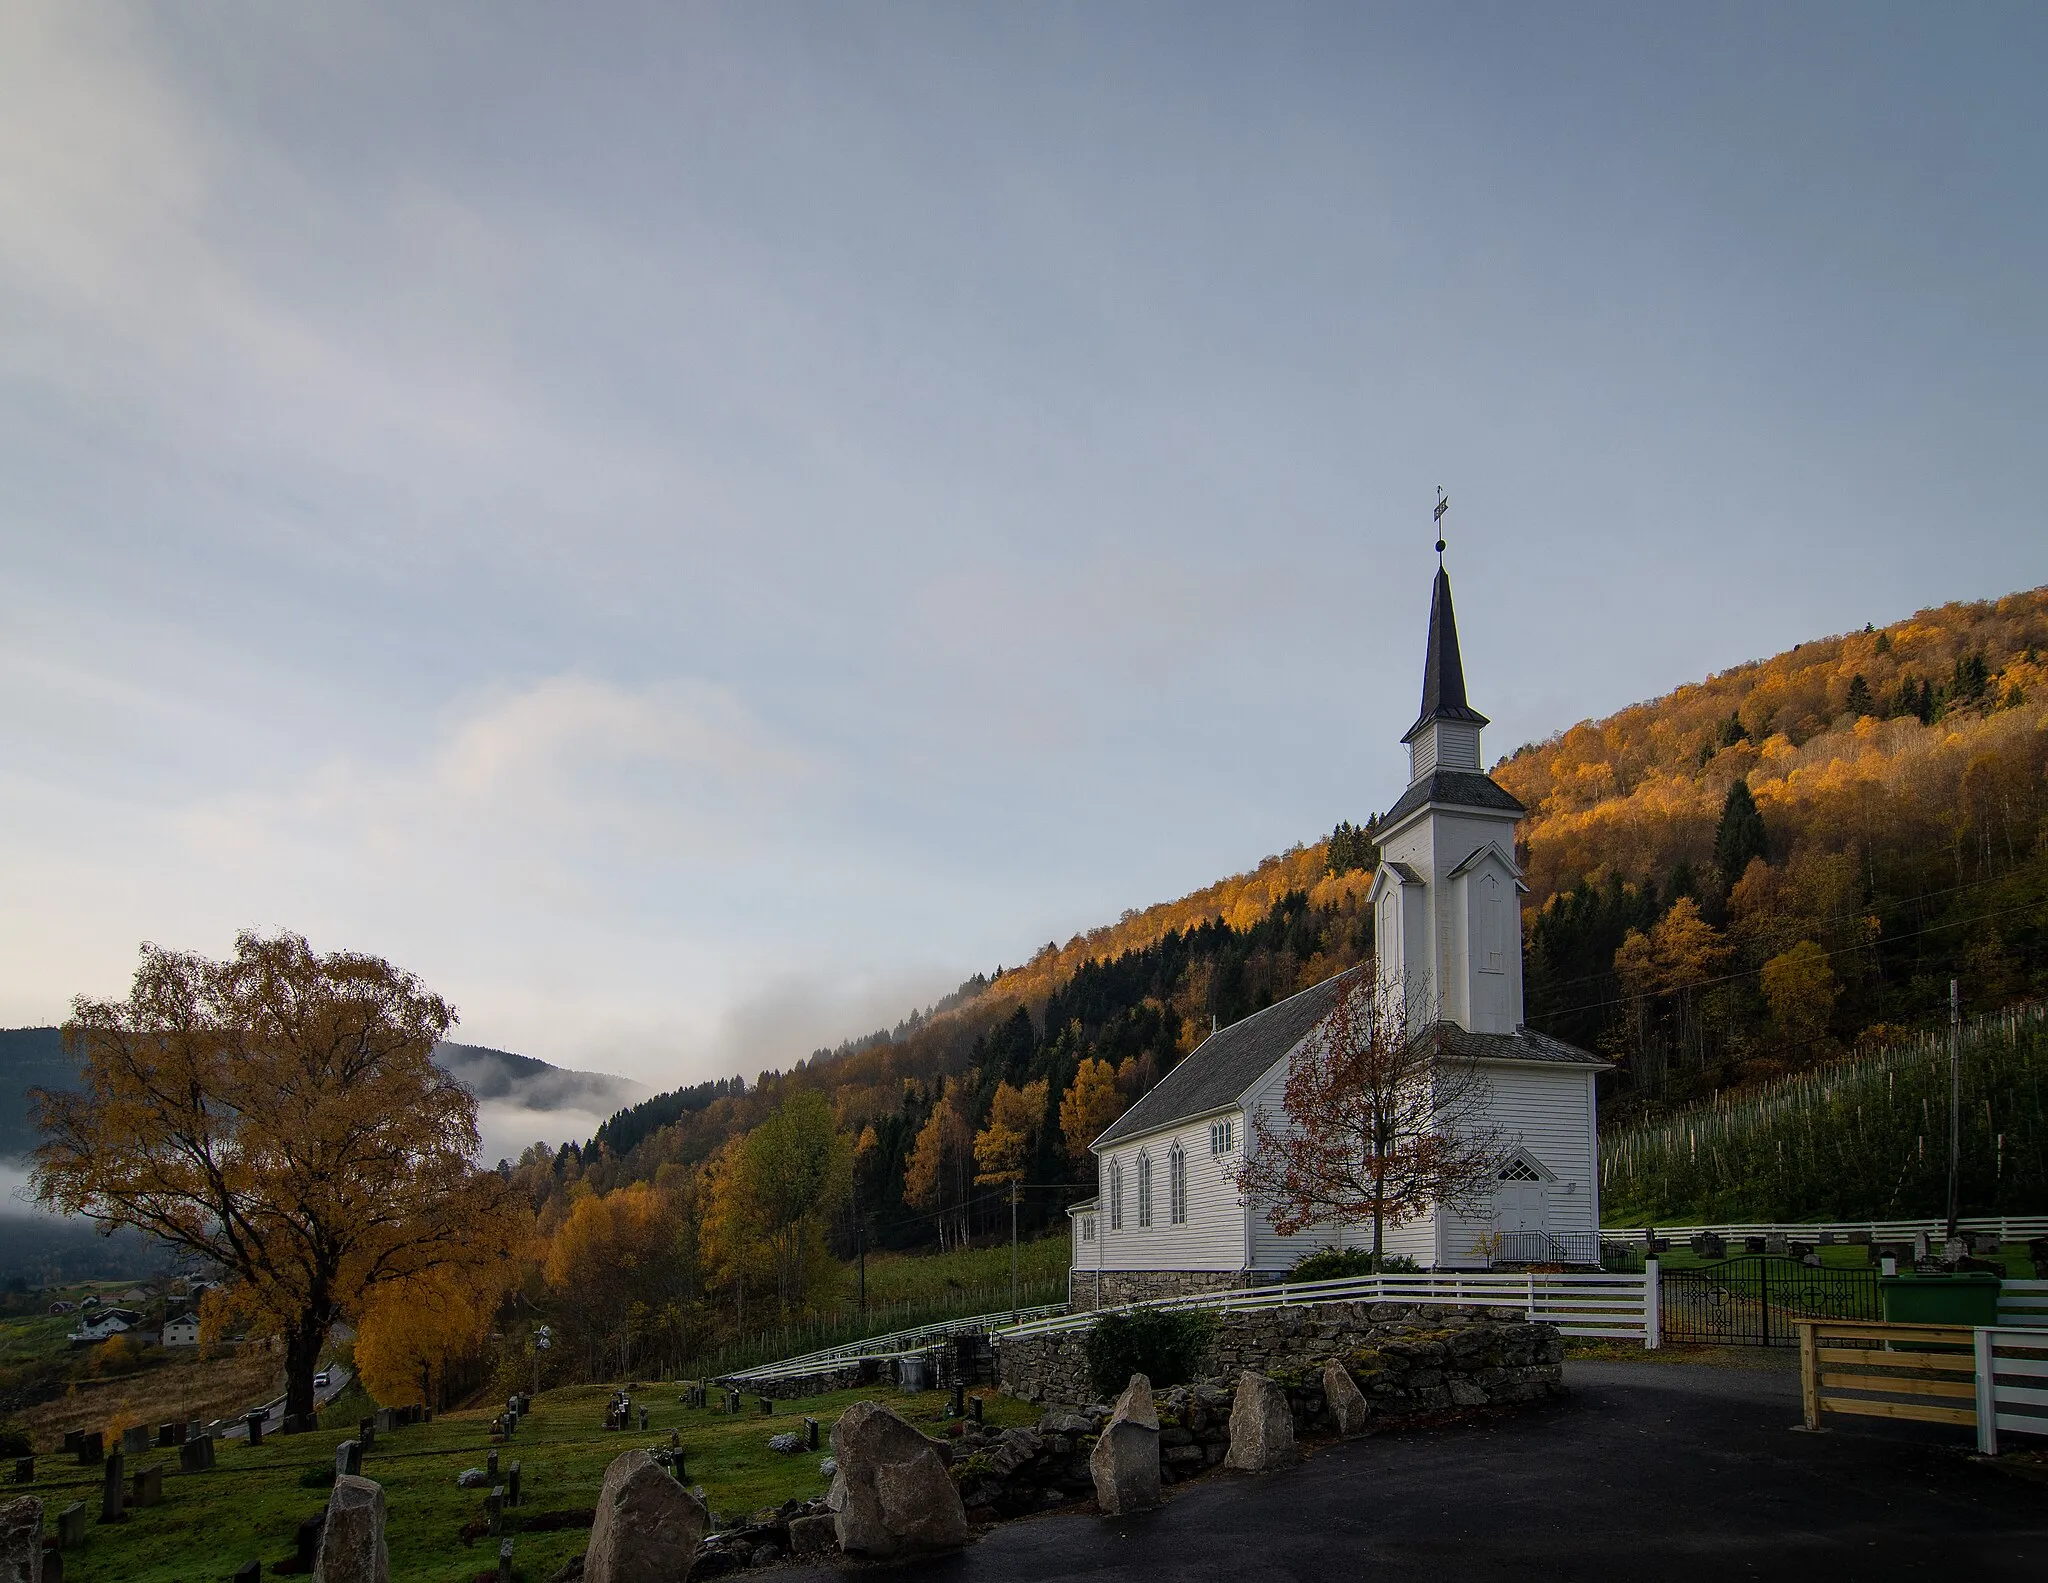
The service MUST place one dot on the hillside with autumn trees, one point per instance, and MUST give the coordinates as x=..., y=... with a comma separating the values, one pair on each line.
x=1772, y=869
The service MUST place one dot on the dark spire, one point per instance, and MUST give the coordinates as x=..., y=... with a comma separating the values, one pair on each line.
x=1443, y=672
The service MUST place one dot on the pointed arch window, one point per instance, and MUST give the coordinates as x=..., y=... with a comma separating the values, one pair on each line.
x=1116, y=1195
x=1144, y=1190
x=1177, y=1186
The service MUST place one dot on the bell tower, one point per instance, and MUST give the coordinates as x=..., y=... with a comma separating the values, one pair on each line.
x=1447, y=912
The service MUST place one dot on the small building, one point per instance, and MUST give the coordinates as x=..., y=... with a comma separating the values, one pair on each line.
x=1446, y=909
x=183, y=1331
x=106, y=1323
x=62, y=1307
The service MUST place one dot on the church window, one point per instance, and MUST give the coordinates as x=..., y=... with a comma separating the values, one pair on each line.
x=1144, y=1190
x=1116, y=1195
x=1222, y=1136
x=1177, y=1186
x=1087, y=1228
x=1492, y=926
x=1519, y=1170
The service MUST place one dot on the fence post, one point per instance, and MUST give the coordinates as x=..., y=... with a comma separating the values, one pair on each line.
x=1987, y=1391
x=1530, y=1277
x=1809, y=1374
x=1653, y=1309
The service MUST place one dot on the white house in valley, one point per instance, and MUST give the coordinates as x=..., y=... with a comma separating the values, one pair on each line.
x=1447, y=921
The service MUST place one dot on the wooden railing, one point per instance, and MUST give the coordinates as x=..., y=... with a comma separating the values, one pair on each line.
x=1987, y=1378
x=1622, y=1307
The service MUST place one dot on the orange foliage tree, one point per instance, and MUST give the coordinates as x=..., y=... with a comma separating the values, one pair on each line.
x=278, y=1114
x=1089, y=1105
x=414, y=1333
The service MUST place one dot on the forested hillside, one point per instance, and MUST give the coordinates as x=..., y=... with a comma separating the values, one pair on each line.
x=1759, y=874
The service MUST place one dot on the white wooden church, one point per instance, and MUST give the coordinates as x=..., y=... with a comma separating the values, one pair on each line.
x=1447, y=917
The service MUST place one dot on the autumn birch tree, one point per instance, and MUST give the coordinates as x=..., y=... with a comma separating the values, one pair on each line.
x=278, y=1114
x=1382, y=1122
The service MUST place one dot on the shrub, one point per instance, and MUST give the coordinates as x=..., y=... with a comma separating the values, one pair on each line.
x=1329, y=1264
x=1166, y=1345
x=15, y=1443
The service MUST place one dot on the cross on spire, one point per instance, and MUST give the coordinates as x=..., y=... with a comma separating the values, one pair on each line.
x=1443, y=504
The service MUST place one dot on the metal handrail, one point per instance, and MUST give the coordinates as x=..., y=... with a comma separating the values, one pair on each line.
x=895, y=1344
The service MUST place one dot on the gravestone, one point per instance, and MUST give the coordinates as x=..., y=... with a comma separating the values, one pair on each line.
x=74, y=1442
x=1859, y=1239
x=306, y=1543
x=135, y=1440
x=643, y=1420
x=352, y=1547
x=255, y=1422
x=193, y=1431
x=1775, y=1242
x=248, y=1572
x=505, y=1562
x=348, y=1459
x=512, y=1485
x=53, y=1566
x=1826, y=1239
x=494, y=1510
x=366, y=1432
x=1919, y=1246
x=113, y=1491
x=149, y=1485
x=24, y=1470
x=1699, y=1246
x=959, y=1408
x=1717, y=1248
x=973, y=1411
x=491, y=1466
x=387, y=1420
x=21, y=1540
x=767, y=1405
x=196, y=1454
x=92, y=1449
x=811, y=1432
x=168, y=1435
x=71, y=1526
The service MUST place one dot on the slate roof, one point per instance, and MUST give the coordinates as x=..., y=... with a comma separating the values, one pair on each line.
x=1215, y=1075
x=1218, y=1070
x=1524, y=1044
x=1462, y=788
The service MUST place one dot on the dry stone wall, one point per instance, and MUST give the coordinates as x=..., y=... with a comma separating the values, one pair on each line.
x=1405, y=1357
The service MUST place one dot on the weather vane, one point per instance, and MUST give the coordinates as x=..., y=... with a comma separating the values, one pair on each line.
x=1443, y=504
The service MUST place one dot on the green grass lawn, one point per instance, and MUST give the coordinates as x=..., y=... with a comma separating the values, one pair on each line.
x=249, y=1506
x=919, y=1277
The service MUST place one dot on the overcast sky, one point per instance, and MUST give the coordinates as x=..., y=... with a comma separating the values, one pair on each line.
x=695, y=529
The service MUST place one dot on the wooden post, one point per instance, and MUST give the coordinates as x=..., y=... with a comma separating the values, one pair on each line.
x=1653, y=1307
x=1809, y=1374
x=1986, y=1349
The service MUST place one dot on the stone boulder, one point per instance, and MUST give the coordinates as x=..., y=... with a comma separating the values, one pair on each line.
x=1348, y=1411
x=648, y=1526
x=1261, y=1426
x=891, y=1494
x=1125, y=1461
x=352, y=1546
x=812, y=1538
x=21, y=1541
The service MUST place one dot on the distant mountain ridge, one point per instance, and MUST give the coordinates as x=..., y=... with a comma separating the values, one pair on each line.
x=503, y=1083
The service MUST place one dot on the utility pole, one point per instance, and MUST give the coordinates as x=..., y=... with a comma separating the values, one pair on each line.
x=1955, y=1099
x=860, y=1255
x=1016, y=1190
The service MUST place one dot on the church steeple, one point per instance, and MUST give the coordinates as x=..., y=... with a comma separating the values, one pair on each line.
x=1443, y=671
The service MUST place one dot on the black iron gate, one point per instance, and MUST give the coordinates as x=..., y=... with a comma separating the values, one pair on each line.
x=1758, y=1301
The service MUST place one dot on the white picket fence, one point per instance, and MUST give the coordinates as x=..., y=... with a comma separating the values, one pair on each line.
x=2007, y=1228
x=1622, y=1307
x=2012, y=1380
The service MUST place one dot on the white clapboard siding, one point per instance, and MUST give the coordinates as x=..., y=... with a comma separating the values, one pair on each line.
x=1547, y=1112
x=1212, y=1238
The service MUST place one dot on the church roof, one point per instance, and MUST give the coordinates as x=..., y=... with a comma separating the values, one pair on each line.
x=1524, y=1044
x=1443, y=671
x=1218, y=1072
x=1215, y=1074
x=1460, y=788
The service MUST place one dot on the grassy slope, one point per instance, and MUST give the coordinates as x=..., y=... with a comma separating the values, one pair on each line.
x=250, y=1505
x=902, y=1277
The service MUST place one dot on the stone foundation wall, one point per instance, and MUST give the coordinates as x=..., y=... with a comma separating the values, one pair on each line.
x=1119, y=1287
x=1487, y=1352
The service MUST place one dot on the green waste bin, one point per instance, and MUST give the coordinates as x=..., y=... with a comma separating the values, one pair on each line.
x=1967, y=1298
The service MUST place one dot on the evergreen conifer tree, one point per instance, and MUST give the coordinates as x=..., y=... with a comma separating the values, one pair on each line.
x=1859, y=700
x=1740, y=835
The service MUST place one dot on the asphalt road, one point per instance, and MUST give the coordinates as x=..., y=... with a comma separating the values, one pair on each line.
x=1654, y=1471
